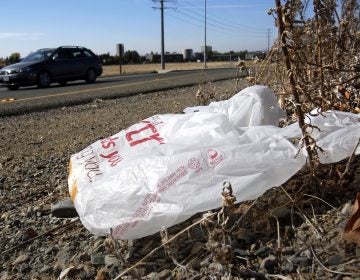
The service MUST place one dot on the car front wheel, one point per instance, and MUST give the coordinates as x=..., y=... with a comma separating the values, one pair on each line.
x=90, y=76
x=43, y=80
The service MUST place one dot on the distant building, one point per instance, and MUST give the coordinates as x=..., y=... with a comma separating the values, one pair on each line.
x=199, y=56
x=188, y=54
x=169, y=57
x=208, y=49
x=223, y=57
x=120, y=49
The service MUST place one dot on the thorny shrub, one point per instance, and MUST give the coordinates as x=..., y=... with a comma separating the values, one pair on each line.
x=317, y=61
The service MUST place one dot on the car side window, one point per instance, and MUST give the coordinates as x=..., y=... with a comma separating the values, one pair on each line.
x=61, y=55
x=77, y=54
x=87, y=53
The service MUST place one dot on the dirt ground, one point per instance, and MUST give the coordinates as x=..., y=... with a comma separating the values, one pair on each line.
x=153, y=67
x=34, y=154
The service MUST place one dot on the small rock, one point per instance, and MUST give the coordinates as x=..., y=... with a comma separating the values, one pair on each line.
x=21, y=259
x=64, y=209
x=216, y=268
x=335, y=260
x=57, y=270
x=4, y=276
x=51, y=250
x=346, y=209
x=357, y=251
x=99, y=246
x=68, y=272
x=25, y=268
x=283, y=215
x=288, y=267
x=243, y=236
x=129, y=253
x=261, y=252
x=241, y=253
x=16, y=223
x=152, y=275
x=197, y=248
x=29, y=234
x=114, y=271
x=5, y=216
x=89, y=271
x=300, y=261
x=111, y=260
x=29, y=212
x=46, y=269
x=84, y=257
x=102, y=274
x=301, y=235
x=268, y=263
x=97, y=259
x=63, y=256
x=306, y=253
x=236, y=244
x=164, y=275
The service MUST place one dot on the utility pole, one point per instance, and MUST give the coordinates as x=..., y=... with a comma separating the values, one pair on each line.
x=268, y=39
x=162, y=32
x=205, y=49
x=162, y=36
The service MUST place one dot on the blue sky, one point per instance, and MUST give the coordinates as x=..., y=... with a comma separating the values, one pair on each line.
x=27, y=25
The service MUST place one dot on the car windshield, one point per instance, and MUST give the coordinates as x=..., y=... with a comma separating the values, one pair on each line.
x=38, y=55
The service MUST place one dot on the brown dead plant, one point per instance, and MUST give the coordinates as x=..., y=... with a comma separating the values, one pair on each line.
x=317, y=62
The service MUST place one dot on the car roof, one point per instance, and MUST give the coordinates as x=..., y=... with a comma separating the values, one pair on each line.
x=62, y=47
x=46, y=49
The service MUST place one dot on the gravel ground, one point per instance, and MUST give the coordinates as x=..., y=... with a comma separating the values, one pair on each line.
x=34, y=153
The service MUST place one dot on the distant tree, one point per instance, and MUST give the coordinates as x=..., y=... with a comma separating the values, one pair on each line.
x=131, y=57
x=2, y=62
x=142, y=58
x=242, y=54
x=107, y=59
x=14, y=58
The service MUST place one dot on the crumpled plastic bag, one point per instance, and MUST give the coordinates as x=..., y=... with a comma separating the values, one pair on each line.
x=337, y=133
x=253, y=106
x=166, y=168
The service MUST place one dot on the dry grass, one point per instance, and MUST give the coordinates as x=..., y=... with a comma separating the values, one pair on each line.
x=153, y=67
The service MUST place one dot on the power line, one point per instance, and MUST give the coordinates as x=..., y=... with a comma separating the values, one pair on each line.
x=184, y=20
x=198, y=19
x=215, y=27
x=228, y=23
x=215, y=22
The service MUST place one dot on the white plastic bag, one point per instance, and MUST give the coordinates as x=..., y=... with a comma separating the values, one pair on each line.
x=253, y=106
x=335, y=132
x=166, y=168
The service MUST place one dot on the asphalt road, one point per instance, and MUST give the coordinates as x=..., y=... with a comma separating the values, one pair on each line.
x=30, y=99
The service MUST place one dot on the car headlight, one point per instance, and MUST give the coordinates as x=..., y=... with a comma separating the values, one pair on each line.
x=14, y=71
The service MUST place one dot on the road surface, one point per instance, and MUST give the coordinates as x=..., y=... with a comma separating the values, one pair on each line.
x=29, y=99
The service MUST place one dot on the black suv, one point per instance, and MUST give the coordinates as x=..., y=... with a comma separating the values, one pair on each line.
x=47, y=66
